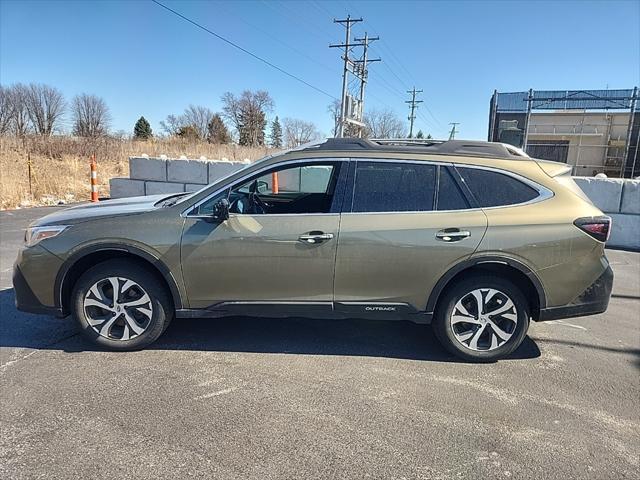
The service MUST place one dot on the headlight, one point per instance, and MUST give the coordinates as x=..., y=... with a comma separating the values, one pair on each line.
x=34, y=234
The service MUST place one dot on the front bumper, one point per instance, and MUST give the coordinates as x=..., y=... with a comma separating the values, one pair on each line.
x=26, y=300
x=594, y=300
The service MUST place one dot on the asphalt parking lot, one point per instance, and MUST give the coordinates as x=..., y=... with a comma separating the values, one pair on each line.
x=257, y=399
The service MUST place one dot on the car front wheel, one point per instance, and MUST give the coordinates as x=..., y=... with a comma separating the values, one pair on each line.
x=482, y=319
x=121, y=305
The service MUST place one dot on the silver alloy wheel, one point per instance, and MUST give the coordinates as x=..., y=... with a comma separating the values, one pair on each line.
x=118, y=308
x=484, y=319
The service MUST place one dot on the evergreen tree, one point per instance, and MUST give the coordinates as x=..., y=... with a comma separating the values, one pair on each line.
x=429, y=137
x=217, y=131
x=420, y=134
x=142, y=129
x=276, y=133
x=247, y=114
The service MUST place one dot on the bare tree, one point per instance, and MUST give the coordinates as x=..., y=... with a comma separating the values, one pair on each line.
x=231, y=109
x=384, y=124
x=45, y=107
x=247, y=113
x=171, y=124
x=6, y=114
x=17, y=105
x=334, y=110
x=198, y=117
x=298, y=132
x=91, y=116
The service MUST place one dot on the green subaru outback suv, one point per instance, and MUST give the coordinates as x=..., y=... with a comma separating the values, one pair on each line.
x=474, y=238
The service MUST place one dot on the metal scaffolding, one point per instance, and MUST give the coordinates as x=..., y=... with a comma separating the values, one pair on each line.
x=593, y=130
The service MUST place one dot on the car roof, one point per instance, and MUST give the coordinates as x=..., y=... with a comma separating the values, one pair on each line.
x=471, y=148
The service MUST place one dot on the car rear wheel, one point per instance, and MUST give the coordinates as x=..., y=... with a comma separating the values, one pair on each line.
x=121, y=306
x=482, y=319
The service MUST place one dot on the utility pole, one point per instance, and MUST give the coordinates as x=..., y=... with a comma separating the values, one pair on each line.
x=347, y=22
x=362, y=72
x=528, y=119
x=413, y=104
x=452, y=133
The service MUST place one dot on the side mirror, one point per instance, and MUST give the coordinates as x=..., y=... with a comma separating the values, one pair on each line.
x=221, y=210
x=263, y=186
x=258, y=186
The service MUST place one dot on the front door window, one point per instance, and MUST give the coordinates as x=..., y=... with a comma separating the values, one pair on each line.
x=288, y=190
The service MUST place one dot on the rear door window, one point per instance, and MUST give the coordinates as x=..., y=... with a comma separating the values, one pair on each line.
x=493, y=189
x=394, y=187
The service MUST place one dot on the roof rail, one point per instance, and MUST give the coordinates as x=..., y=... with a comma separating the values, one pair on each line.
x=408, y=141
x=471, y=148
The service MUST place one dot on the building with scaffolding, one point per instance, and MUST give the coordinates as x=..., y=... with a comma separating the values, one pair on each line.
x=593, y=130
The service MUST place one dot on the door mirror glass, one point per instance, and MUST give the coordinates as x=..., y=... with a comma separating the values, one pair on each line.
x=263, y=187
x=221, y=210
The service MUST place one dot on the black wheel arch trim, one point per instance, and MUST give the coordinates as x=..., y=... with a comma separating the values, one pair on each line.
x=475, y=261
x=130, y=249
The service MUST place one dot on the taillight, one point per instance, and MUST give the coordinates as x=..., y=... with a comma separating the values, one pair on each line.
x=598, y=227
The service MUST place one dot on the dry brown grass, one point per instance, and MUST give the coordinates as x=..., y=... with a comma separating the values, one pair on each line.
x=60, y=165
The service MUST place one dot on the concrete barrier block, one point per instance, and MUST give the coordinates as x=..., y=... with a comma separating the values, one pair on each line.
x=218, y=170
x=314, y=179
x=153, y=188
x=193, y=187
x=605, y=193
x=631, y=197
x=186, y=171
x=288, y=180
x=143, y=168
x=625, y=232
x=125, y=187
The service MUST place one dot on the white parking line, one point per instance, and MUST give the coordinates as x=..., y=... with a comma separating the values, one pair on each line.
x=215, y=394
x=567, y=324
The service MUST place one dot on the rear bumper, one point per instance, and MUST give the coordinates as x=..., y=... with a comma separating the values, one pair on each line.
x=592, y=301
x=26, y=300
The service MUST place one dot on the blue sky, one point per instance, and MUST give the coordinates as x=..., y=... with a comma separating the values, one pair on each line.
x=145, y=61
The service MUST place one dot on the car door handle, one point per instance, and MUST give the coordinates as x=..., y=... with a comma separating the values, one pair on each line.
x=452, y=235
x=315, y=237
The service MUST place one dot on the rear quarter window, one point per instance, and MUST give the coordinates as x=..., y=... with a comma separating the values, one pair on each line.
x=494, y=189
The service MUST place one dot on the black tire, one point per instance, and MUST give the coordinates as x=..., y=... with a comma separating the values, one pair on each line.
x=159, y=304
x=444, y=330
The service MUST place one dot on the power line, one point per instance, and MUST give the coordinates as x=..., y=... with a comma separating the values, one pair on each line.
x=321, y=8
x=314, y=27
x=395, y=58
x=235, y=45
x=296, y=19
x=278, y=40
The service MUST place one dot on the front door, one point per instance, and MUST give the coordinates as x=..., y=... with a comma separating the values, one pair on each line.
x=278, y=246
x=409, y=222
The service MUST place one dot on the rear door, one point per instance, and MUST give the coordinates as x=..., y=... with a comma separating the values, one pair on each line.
x=405, y=223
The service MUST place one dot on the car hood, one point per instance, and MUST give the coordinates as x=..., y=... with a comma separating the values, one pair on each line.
x=102, y=209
